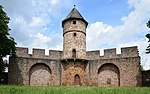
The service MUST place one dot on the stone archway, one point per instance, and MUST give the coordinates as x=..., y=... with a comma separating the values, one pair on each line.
x=108, y=75
x=77, y=80
x=74, y=75
x=40, y=75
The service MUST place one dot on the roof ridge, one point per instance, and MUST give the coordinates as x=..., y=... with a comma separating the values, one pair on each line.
x=74, y=14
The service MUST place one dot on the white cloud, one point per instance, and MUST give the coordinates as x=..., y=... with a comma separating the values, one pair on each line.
x=54, y=2
x=30, y=21
x=132, y=3
x=36, y=21
x=40, y=40
x=95, y=35
x=130, y=33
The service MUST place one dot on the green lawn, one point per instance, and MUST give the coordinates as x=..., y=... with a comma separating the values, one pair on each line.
x=72, y=90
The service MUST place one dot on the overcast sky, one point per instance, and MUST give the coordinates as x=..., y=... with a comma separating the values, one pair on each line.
x=112, y=23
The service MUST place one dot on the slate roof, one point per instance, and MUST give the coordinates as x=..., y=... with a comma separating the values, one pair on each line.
x=74, y=14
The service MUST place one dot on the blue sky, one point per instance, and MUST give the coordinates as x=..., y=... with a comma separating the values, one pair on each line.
x=112, y=23
x=107, y=11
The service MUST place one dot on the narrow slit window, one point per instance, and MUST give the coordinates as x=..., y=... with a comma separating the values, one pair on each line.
x=74, y=53
x=74, y=34
x=74, y=22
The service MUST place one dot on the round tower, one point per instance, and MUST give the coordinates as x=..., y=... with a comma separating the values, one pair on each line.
x=74, y=33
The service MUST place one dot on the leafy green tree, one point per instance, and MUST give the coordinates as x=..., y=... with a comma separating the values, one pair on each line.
x=148, y=24
x=7, y=43
x=141, y=68
x=148, y=36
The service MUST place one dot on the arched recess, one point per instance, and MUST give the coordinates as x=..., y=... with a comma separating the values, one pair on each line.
x=40, y=75
x=77, y=80
x=108, y=75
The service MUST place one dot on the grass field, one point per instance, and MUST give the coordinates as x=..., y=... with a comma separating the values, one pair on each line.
x=72, y=90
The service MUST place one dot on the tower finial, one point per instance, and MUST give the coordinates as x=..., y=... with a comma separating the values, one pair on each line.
x=74, y=6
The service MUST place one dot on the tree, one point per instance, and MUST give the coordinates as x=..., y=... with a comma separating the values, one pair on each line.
x=148, y=36
x=7, y=43
x=141, y=68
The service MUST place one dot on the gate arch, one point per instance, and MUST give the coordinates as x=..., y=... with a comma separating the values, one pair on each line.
x=40, y=75
x=108, y=75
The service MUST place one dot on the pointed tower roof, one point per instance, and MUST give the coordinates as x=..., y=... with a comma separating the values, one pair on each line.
x=74, y=14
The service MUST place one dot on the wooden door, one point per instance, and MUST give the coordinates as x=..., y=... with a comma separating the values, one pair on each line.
x=76, y=80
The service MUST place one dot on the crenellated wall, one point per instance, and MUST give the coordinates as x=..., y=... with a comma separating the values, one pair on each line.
x=130, y=51
x=26, y=68
x=127, y=63
x=93, y=55
x=112, y=53
x=38, y=53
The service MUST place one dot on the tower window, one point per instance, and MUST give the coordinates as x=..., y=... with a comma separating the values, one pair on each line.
x=74, y=53
x=74, y=22
x=74, y=34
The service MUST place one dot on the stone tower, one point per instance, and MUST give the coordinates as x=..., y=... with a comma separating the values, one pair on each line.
x=74, y=32
x=74, y=49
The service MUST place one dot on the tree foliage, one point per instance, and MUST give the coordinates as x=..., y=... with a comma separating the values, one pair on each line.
x=148, y=24
x=141, y=68
x=148, y=36
x=7, y=43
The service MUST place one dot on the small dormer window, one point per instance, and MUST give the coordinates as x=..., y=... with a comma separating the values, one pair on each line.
x=74, y=34
x=74, y=22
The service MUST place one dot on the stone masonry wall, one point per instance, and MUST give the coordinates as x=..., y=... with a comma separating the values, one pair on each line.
x=111, y=53
x=19, y=71
x=71, y=42
x=128, y=63
x=72, y=68
x=20, y=67
x=40, y=74
x=79, y=26
x=93, y=55
x=38, y=53
x=77, y=41
x=108, y=75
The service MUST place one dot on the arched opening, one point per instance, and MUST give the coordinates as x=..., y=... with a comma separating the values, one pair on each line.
x=40, y=75
x=74, y=53
x=108, y=75
x=77, y=80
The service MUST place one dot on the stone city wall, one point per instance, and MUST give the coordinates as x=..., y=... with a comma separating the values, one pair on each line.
x=22, y=72
x=128, y=67
x=38, y=53
x=111, y=53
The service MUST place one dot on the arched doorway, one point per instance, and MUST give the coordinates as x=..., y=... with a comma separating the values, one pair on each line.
x=108, y=75
x=40, y=75
x=77, y=80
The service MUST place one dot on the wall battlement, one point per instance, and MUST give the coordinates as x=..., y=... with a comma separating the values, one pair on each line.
x=38, y=53
x=90, y=55
x=112, y=53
